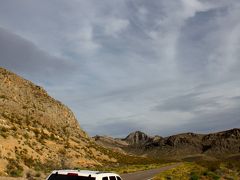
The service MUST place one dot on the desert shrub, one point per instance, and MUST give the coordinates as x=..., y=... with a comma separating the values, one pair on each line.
x=52, y=137
x=3, y=97
x=41, y=139
x=212, y=175
x=3, y=129
x=14, y=168
x=194, y=176
x=6, y=115
x=29, y=175
x=233, y=164
x=44, y=135
x=184, y=171
x=210, y=165
x=62, y=151
x=3, y=132
x=36, y=132
x=67, y=144
x=4, y=135
x=14, y=128
x=38, y=174
x=50, y=165
x=29, y=161
x=26, y=135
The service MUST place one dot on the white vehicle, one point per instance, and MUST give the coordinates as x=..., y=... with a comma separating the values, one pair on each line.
x=82, y=175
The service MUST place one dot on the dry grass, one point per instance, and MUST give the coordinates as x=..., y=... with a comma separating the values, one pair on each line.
x=207, y=170
x=182, y=172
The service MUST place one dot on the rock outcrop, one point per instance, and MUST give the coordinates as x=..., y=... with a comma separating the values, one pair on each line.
x=24, y=103
x=137, y=138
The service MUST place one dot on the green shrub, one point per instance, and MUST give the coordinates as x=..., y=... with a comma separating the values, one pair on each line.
x=29, y=161
x=26, y=136
x=194, y=176
x=213, y=176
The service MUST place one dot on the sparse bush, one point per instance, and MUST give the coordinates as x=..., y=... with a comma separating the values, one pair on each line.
x=194, y=176
x=3, y=132
x=29, y=161
x=36, y=132
x=14, y=168
x=38, y=174
x=67, y=145
x=29, y=175
x=62, y=151
x=52, y=137
x=14, y=128
x=210, y=165
x=213, y=175
x=26, y=135
x=3, y=96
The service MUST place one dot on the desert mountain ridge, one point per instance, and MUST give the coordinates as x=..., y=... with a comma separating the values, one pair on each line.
x=213, y=144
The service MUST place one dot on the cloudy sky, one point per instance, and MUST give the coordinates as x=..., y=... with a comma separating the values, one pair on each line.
x=159, y=66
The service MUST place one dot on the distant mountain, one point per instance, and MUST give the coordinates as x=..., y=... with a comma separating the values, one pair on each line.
x=112, y=143
x=38, y=132
x=180, y=145
x=137, y=138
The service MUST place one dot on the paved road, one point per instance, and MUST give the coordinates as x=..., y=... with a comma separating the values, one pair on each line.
x=148, y=174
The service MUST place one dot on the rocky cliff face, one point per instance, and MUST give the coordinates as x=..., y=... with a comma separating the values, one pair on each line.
x=222, y=142
x=39, y=132
x=137, y=138
x=23, y=102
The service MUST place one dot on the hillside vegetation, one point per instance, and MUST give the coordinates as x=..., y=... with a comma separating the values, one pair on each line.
x=39, y=133
x=208, y=170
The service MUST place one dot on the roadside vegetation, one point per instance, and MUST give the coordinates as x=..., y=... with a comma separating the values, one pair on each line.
x=132, y=168
x=208, y=170
x=129, y=163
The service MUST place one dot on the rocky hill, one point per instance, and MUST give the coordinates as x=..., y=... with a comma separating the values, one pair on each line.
x=137, y=138
x=112, y=143
x=180, y=145
x=38, y=132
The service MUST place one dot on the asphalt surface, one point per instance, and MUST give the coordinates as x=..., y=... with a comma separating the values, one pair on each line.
x=148, y=174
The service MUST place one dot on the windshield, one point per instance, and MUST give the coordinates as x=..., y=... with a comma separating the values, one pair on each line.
x=67, y=177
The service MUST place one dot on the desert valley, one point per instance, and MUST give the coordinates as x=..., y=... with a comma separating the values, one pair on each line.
x=39, y=134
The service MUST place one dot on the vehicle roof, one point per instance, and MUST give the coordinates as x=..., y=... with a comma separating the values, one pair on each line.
x=85, y=173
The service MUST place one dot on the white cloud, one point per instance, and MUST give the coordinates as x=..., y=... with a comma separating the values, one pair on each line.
x=225, y=54
x=114, y=26
x=132, y=56
x=82, y=41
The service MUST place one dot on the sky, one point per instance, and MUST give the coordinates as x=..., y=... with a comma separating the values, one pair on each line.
x=162, y=67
